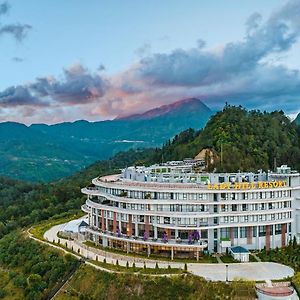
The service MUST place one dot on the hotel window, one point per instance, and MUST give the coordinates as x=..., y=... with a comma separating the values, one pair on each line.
x=246, y=218
x=233, y=196
x=231, y=219
x=262, y=230
x=235, y=232
x=234, y=207
x=215, y=208
x=244, y=207
x=215, y=197
x=166, y=220
x=226, y=219
x=243, y=232
x=278, y=229
x=225, y=233
x=254, y=232
x=178, y=207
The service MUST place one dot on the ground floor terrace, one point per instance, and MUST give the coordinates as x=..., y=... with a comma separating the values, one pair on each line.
x=215, y=238
x=133, y=244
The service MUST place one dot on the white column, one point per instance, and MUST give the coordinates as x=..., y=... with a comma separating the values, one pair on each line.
x=257, y=238
x=273, y=236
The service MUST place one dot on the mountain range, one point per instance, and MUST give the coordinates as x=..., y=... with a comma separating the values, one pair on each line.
x=42, y=152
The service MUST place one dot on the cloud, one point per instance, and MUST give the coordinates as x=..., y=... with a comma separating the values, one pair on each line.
x=17, y=31
x=246, y=72
x=17, y=59
x=19, y=96
x=196, y=67
x=144, y=50
x=240, y=71
x=78, y=86
x=4, y=8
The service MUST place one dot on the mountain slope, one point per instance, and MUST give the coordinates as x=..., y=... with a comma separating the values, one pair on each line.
x=297, y=120
x=250, y=140
x=190, y=106
x=43, y=152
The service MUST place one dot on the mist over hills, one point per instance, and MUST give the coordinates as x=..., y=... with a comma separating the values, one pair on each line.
x=43, y=152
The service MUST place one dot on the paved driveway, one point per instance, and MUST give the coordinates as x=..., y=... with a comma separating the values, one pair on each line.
x=251, y=271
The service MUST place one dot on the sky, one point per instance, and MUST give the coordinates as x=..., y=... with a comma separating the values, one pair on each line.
x=95, y=60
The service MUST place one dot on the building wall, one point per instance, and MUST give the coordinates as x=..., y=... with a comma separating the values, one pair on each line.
x=254, y=218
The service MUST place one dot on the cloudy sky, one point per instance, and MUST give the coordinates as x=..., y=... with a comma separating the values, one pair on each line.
x=94, y=60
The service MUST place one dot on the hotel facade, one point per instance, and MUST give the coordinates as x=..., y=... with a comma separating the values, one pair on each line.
x=171, y=209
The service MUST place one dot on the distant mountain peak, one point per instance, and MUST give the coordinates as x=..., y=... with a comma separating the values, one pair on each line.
x=297, y=120
x=190, y=104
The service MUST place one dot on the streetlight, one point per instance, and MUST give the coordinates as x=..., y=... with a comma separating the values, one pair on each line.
x=227, y=273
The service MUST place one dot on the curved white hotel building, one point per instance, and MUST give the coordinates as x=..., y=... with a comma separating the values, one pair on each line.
x=172, y=209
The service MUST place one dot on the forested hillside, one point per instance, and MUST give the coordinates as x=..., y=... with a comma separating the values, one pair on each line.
x=43, y=153
x=249, y=141
x=246, y=140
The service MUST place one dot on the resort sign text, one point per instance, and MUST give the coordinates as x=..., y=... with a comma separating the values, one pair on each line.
x=246, y=185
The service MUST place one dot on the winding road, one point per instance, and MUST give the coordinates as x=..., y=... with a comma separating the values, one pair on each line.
x=258, y=271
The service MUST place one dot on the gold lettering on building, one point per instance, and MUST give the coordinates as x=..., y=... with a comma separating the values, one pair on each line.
x=247, y=185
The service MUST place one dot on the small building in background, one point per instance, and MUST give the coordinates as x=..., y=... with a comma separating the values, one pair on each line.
x=240, y=253
x=206, y=158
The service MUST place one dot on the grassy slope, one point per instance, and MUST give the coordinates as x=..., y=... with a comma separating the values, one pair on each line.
x=119, y=286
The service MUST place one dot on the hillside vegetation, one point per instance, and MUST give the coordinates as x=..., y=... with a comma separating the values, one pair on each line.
x=28, y=269
x=126, y=286
x=246, y=140
x=249, y=141
x=42, y=153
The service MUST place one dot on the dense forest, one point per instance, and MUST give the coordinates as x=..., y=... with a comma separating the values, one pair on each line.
x=246, y=140
x=28, y=269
